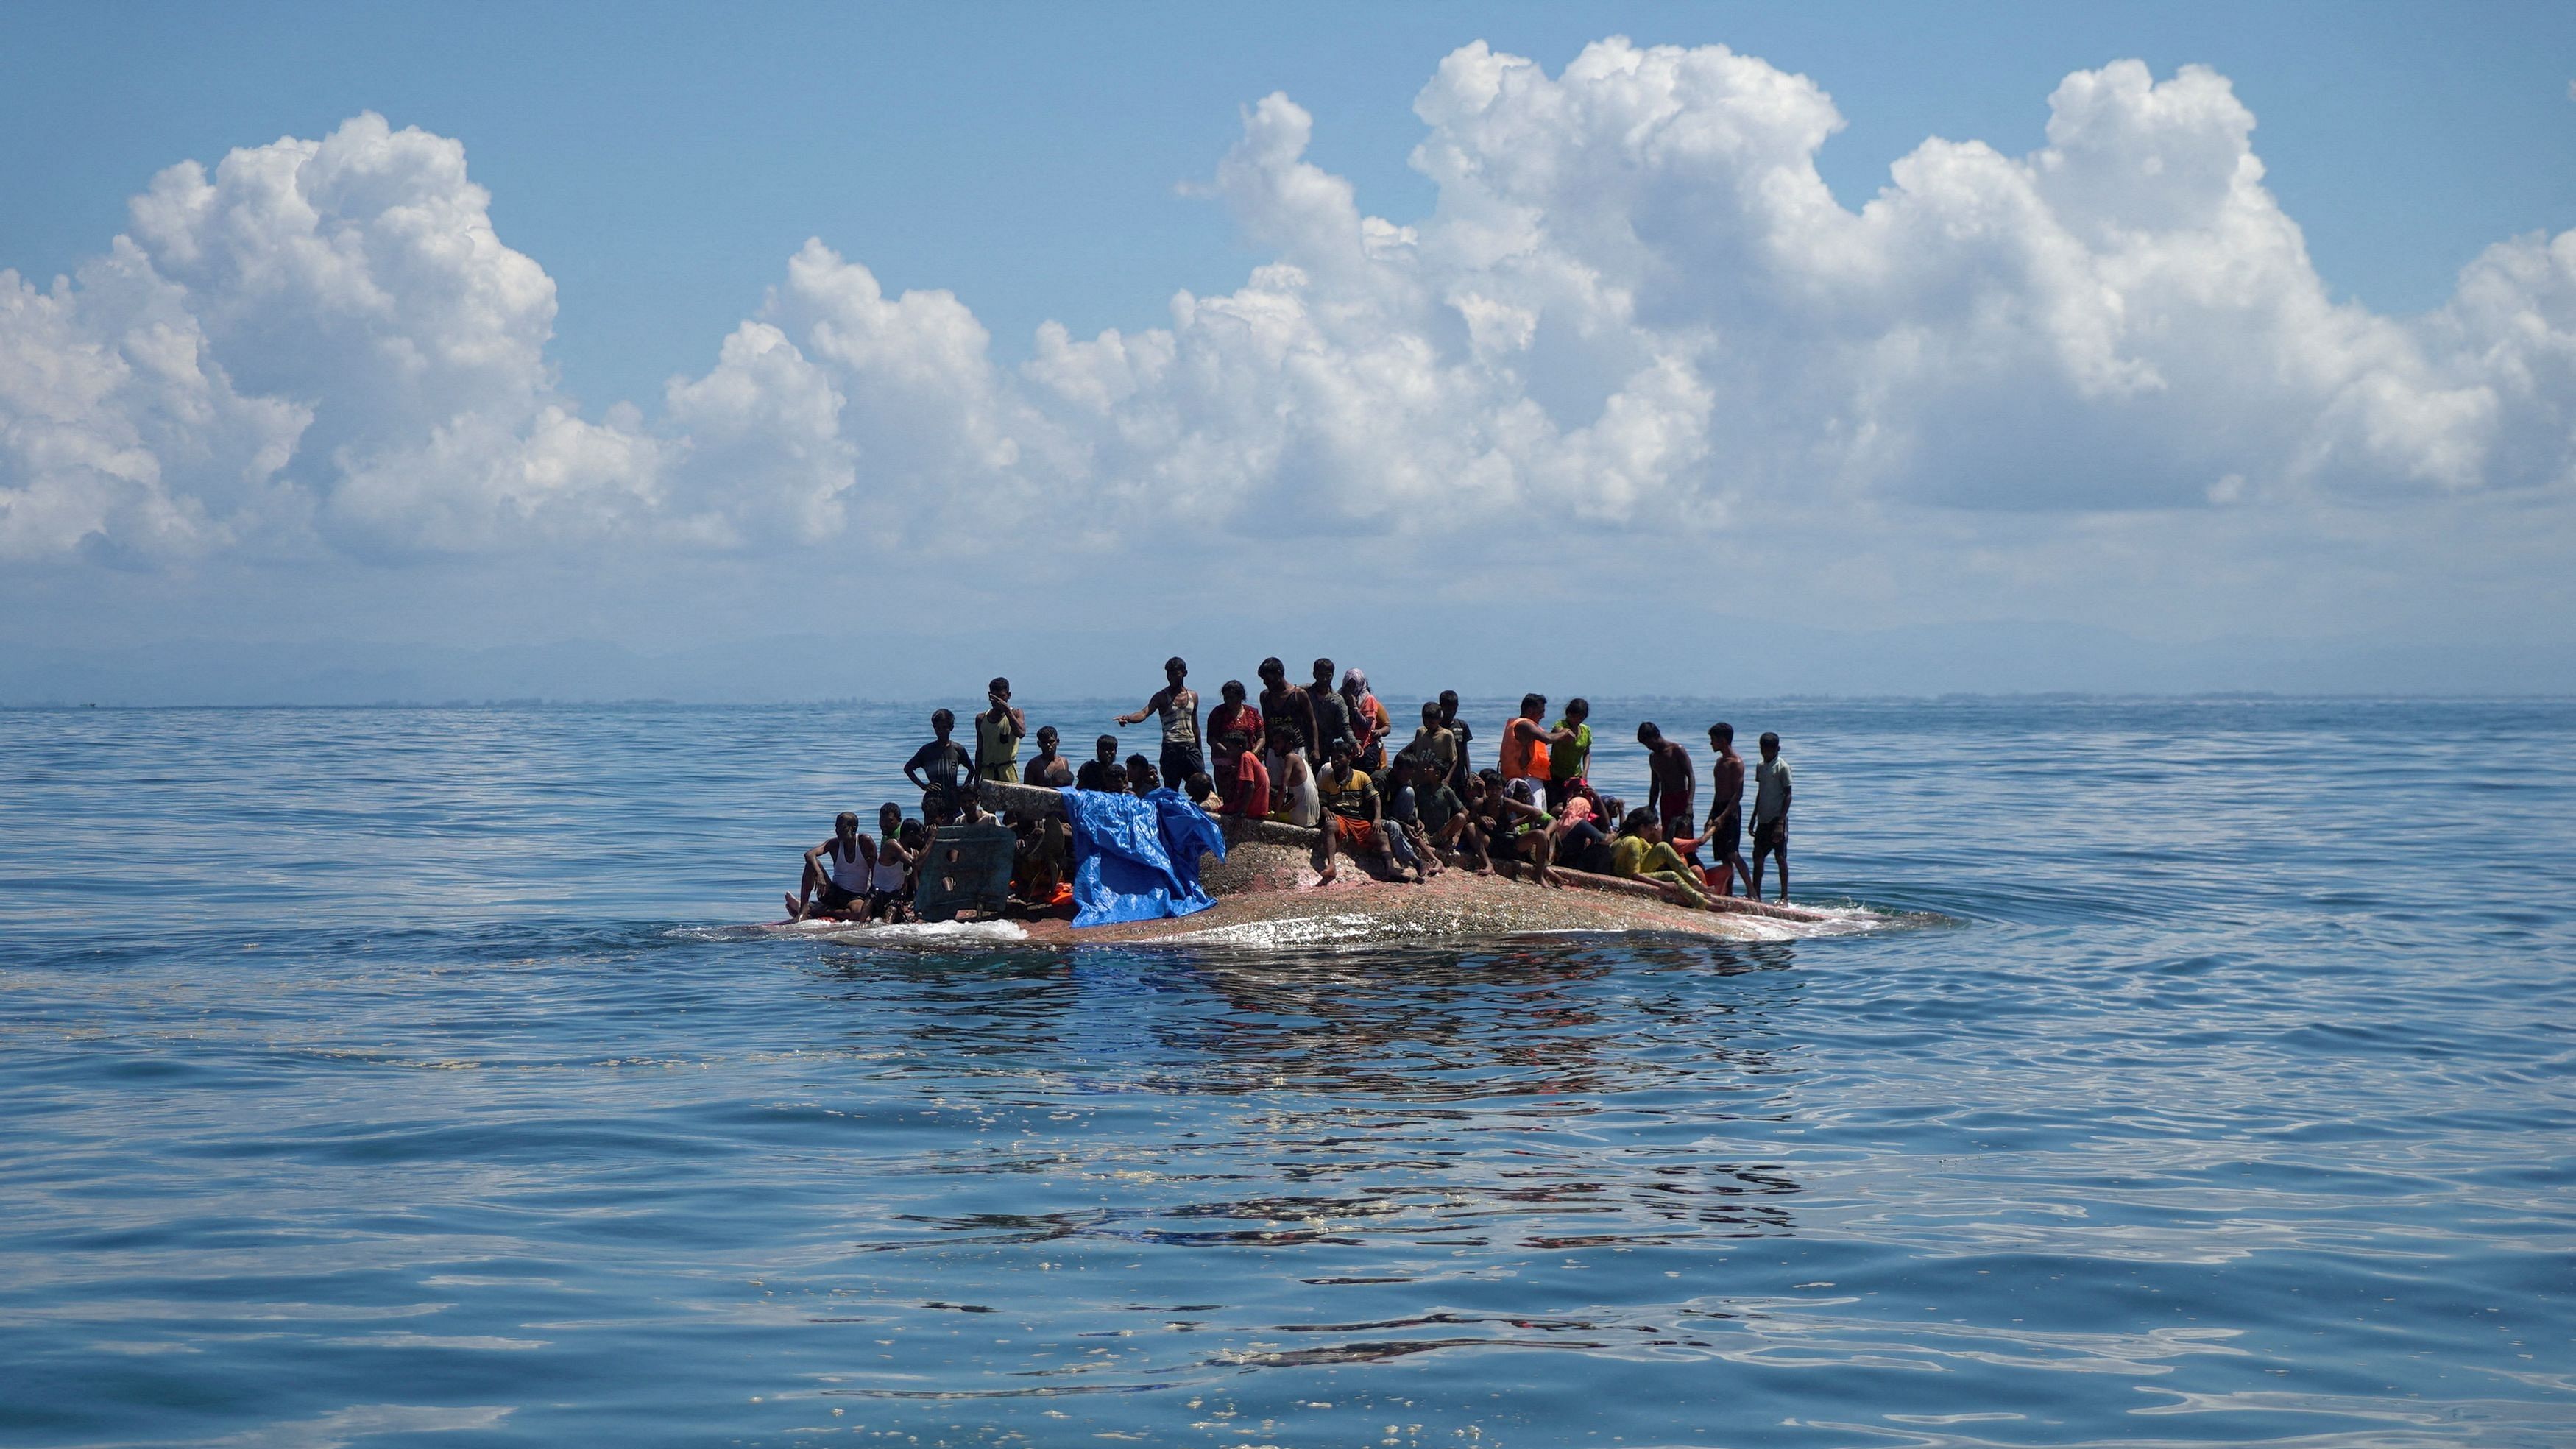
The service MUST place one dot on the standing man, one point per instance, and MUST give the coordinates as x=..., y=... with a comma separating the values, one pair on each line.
x=940, y=770
x=1569, y=754
x=1770, y=814
x=1178, y=704
x=1525, y=746
x=1288, y=713
x=1050, y=769
x=1461, y=736
x=1101, y=771
x=1725, y=838
x=1332, y=713
x=1669, y=780
x=998, y=732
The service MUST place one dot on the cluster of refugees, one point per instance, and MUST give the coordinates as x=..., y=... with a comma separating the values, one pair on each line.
x=1318, y=755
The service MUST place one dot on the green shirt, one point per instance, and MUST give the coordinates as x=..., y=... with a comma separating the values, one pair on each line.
x=1574, y=761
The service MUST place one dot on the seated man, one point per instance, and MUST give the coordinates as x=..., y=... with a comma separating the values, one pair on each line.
x=1142, y=779
x=1410, y=836
x=1437, y=746
x=1102, y=772
x=835, y=881
x=1642, y=854
x=1351, y=814
x=1469, y=825
x=1292, y=786
x=1200, y=790
x=1050, y=769
x=1040, y=856
x=1508, y=813
x=1247, y=786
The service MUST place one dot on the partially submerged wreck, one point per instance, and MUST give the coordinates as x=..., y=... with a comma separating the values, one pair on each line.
x=1265, y=892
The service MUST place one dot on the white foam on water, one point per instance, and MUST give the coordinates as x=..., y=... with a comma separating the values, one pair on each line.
x=918, y=933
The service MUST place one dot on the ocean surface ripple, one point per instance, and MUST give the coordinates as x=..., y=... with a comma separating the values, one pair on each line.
x=402, y=1076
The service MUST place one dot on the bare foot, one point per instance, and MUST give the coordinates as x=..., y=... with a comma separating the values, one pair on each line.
x=795, y=912
x=1324, y=877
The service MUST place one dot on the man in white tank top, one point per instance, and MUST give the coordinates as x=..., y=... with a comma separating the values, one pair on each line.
x=837, y=872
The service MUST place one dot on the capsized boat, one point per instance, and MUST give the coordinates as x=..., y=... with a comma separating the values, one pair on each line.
x=1267, y=894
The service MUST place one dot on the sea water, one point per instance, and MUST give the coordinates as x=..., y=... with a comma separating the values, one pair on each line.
x=404, y=1076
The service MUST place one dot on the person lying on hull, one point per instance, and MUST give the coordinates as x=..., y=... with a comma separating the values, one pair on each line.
x=836, y=875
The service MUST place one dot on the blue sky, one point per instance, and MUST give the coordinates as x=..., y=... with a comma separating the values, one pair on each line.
x=658, y=166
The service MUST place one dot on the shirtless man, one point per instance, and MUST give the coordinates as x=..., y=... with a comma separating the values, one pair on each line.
x=1332, y=714
x=1288, y=714
x=836, y=872
x=1670, y=780
x=1049, y=768
x=1178, y=704
x=1725, y=834
x=998, y=732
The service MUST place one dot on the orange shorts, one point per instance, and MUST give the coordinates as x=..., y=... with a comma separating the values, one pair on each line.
x=1360, y=834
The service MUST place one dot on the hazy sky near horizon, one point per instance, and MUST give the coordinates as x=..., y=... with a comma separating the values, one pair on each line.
x=669, y=325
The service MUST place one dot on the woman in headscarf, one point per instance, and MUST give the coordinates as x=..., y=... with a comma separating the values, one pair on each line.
x=1369, y=722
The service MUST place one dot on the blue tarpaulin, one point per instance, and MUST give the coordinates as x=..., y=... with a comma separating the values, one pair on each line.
x=1123, y=853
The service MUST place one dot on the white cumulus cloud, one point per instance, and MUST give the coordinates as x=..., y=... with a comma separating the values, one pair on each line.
x=1635, y=306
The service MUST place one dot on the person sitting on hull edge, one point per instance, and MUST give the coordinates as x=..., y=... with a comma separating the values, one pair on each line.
x=1642, y=854
x=835, y=881
x=1102, y=771
x=1353, y=818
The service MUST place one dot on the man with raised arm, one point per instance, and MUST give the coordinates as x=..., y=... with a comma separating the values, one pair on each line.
x=1178, y=705
x=998, y=732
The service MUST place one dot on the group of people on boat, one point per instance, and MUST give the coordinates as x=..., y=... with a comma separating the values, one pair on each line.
x=1319, y=755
